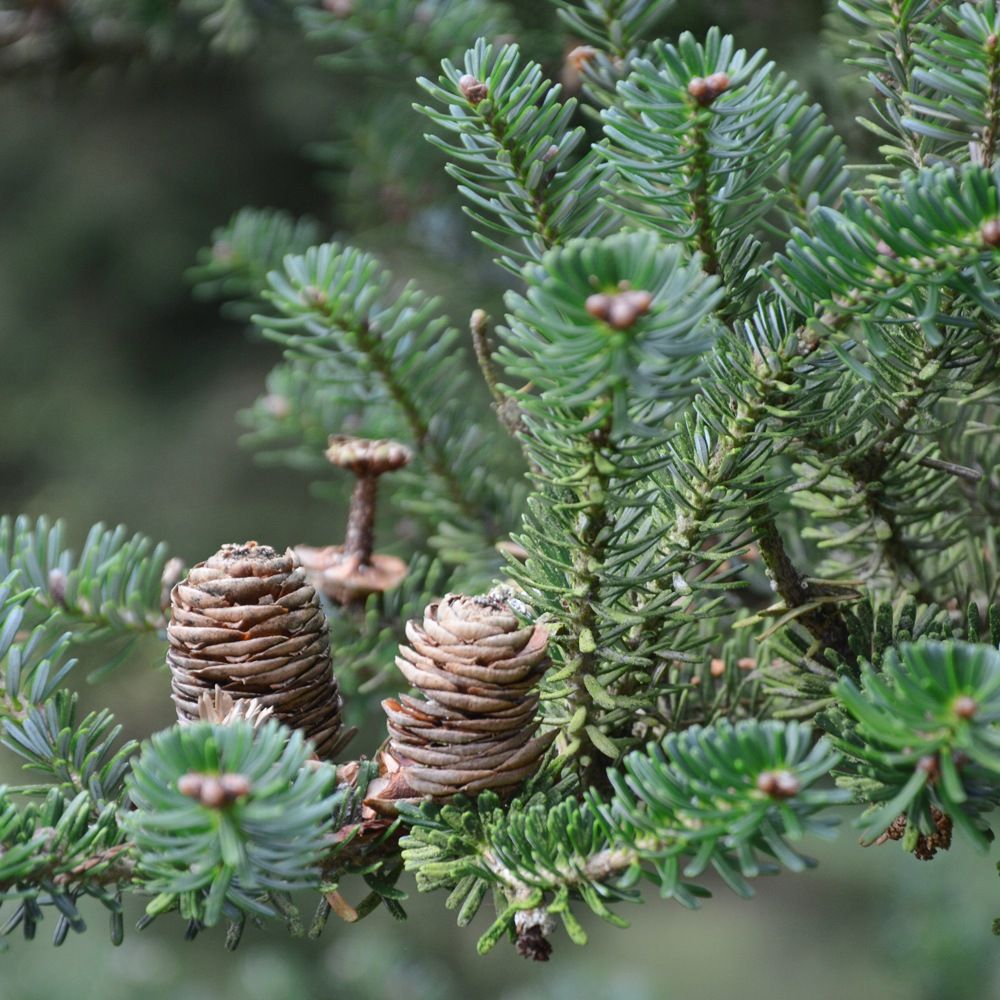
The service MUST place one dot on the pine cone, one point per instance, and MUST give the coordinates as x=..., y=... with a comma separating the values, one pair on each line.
x=247, y=623
x=478, y=668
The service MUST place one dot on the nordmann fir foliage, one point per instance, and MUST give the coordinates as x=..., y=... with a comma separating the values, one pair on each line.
x=734, y=466
x=118, y=584
x=244, y=802
x=668, y=821
x=518, y=155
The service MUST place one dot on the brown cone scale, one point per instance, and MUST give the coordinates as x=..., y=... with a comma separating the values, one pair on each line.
x=247, y=625
x=475, y=729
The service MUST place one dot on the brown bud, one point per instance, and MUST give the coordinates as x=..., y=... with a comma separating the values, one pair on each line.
x=57, y=586
x=991, y=233
x=717, y=667
x=787, y=785
x=474, y=91
x=222, y=251
x=746, y=663
x=190, y=785
x=627, y=307
x=276, y=405
x=620, y=314
x=896, y=829
x=532, y=944
x=992, y=41
x=778, y=784
x=313, y=296
x=928, y=844
x=598, y=305
x=235, y=786
x=766, y=782
x=639, y=300
x=212, y=794
x=339, y=8
x=479, y=320
x=717, y=83
x=943, y=826
x=964, y=706
x=621, y=309
x=698, y=88
x=884, y=250
x=930, y=766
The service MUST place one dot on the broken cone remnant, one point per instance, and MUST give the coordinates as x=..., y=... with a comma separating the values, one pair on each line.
x=348, y=573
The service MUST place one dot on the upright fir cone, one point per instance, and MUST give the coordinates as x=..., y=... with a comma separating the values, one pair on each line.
x=476, y=728
x=246, y=625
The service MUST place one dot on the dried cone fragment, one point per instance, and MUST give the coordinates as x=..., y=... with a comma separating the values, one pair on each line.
x=476, y=729
x=246, y=625
x=927, y=844
x=223, y=709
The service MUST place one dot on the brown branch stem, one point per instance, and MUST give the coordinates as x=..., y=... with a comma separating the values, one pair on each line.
x=359, y=539
x=824, y=622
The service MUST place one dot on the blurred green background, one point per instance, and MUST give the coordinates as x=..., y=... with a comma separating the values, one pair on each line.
x=118, y=403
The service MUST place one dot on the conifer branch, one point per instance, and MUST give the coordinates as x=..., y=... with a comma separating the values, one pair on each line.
x=955, y=103
x=720, y=461
x=376, y=35
x=234, y=268
x=742, y=471
x=658, y=821
x=515, y=153
x=949, y=687
x=887, y=52
x=627, y=306
x=580, y=663
x=698, y=171
x=616, y=26
x=339, y=317
x=823, y=621
x=114, y=587
x=703, y=139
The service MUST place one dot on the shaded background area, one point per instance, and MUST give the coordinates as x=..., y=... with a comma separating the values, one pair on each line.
x=118, y=402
